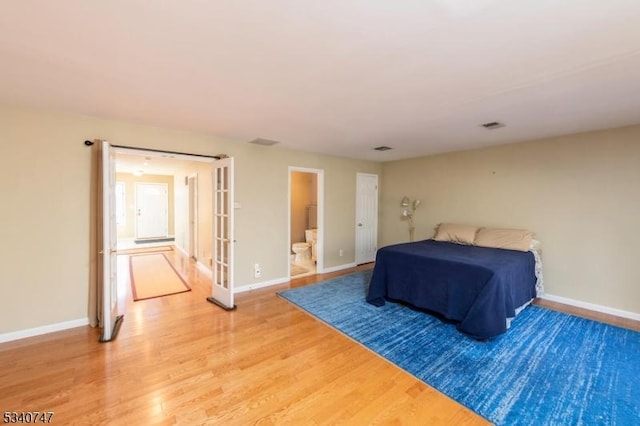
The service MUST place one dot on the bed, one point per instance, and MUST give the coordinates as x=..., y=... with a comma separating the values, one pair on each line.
x=480, y=289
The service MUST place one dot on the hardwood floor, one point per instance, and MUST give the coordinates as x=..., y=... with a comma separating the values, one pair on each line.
x=181, y=360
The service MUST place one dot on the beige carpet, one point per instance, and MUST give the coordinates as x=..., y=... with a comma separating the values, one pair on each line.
x=153, y=276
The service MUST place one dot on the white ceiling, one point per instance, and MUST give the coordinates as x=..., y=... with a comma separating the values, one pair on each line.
x=157, y=163
x=331, y=76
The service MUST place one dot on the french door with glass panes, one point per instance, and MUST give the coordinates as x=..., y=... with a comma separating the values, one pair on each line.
x=222, y=273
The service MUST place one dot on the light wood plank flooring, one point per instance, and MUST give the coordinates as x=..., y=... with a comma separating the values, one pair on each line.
x=181, y=360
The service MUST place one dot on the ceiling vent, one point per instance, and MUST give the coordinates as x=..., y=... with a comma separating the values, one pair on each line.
x=264, y=142
x=492, y=125
x=382, y=148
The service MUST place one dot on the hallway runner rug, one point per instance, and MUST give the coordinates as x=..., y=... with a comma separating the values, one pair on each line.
x=152, y=275
x=550, y=368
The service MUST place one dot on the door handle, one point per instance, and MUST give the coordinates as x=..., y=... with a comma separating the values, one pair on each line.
x=360, y=224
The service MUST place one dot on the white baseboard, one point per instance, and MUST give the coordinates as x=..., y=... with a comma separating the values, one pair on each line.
x=287, y=279
x=263, y=284
x=592, y=307
x=204, y=269
x=201, y=266
x=181, y=250
x=338, y=268
x=37, y=331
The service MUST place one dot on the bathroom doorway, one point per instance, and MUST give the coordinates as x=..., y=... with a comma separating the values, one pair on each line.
x=304, y=251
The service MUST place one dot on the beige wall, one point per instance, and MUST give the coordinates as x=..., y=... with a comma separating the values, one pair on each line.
x=45, y=187
x=579, y=193
x=205, y=213
x=262, y=175
x=128, y=230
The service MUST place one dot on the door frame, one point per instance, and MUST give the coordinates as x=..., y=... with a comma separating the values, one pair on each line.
x=192, y=216
x=320, y=217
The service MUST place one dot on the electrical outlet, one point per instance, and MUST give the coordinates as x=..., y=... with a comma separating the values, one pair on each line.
x=340, y=252
x=257, y=272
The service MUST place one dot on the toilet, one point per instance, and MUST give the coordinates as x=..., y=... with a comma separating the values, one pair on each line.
x=311, y=236
x=302, y=251
x=306, y=250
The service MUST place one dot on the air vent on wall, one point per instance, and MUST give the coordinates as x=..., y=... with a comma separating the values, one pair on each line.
x=492, y=125
x=264, y=142
x=382, y=148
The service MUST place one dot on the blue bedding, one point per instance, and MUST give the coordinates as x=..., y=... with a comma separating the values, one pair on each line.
x=476, y=287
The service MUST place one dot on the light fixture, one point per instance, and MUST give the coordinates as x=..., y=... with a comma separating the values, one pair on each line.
x=138, y=173
x=408, y=210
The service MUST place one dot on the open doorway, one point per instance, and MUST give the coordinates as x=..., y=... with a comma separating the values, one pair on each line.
x=305, y=221
x=217, y=248
x=159, y=205
x=157, y=199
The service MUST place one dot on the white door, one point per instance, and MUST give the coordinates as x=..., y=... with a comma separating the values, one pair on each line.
x=222, y=273
x=110, y=318
x=152, y=210
x=366, y=217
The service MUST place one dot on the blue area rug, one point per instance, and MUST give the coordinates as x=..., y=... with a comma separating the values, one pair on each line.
x=550, y=368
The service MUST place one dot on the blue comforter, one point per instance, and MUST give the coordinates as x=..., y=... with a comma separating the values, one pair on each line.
x=477, y=287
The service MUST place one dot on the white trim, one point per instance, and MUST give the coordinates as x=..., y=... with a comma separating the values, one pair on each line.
x=254, y=286
x=339, y=267
x=283, y=280
x=192, y=209
x=181, y=250
x=592, y=307
x=37, y=331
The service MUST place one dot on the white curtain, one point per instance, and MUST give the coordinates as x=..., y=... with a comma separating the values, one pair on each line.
x=95, y=259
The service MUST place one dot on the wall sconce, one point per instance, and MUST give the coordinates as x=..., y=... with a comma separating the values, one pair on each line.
x=408, y=210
